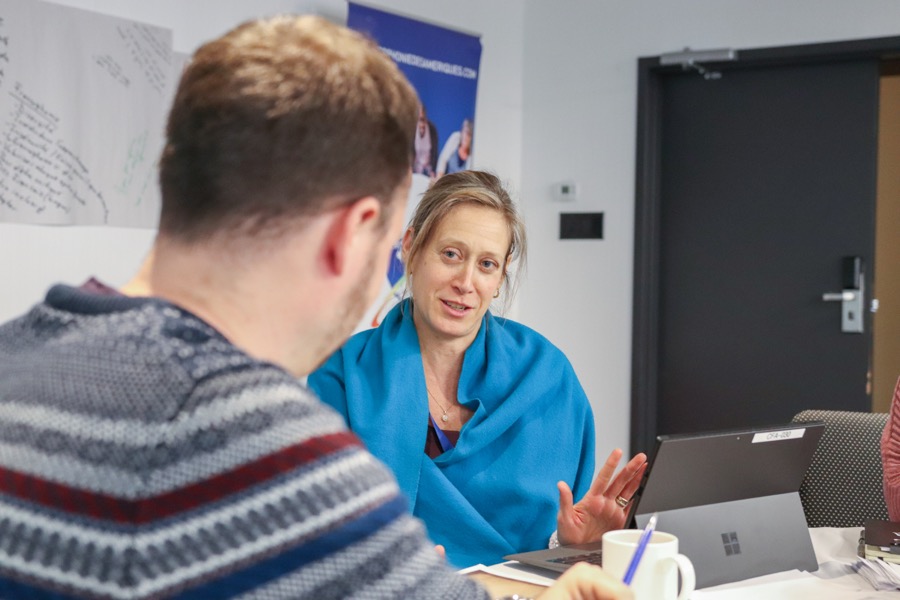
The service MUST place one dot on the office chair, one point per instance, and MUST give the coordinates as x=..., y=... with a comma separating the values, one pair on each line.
x=843, y=485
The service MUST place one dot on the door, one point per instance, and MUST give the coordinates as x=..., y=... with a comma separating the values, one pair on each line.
x=752, y=189
x=886, y=322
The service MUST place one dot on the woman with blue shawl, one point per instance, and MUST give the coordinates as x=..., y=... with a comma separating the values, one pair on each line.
x=482, y=419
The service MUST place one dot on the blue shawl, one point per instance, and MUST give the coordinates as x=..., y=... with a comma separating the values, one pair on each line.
x=495, y=492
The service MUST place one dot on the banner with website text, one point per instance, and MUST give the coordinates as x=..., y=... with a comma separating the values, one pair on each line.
x=442, y=65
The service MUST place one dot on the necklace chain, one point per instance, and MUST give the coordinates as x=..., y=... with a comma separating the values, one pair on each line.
x=444, y=416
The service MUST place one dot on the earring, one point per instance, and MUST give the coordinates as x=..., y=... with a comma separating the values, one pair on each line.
x=497, y=293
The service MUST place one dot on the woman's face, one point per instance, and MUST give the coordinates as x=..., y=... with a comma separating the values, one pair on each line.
x=456, y=274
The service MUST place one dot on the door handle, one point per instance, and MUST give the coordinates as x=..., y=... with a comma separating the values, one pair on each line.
x=845, y=296
x=851, y=297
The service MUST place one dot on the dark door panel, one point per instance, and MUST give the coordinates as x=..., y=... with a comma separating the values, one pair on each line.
x=766, y=179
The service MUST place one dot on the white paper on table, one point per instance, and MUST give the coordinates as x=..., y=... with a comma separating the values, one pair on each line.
x=882, y=576
x=794, y=584
x=835, y=543
x=512, y=570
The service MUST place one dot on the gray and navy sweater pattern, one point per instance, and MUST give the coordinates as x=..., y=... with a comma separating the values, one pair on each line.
x=142, y=455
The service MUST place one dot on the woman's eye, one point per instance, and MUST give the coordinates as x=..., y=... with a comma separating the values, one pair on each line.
x=450, y=253
x=488, y=265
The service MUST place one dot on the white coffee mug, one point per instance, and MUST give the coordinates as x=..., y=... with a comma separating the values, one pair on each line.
x=656, y=577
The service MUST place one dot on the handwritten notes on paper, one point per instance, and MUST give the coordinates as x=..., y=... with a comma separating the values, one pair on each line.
x=40, y=173
x=4, y=52
x=83, y=98
x=152, y=56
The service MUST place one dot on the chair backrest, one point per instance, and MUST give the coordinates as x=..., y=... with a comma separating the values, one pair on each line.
x=843, y=486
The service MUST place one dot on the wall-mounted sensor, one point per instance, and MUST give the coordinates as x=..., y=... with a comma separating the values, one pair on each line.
x=565, y=191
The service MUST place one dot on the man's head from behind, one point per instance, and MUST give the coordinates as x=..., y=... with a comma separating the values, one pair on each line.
x=278, y=120
x=284, y=180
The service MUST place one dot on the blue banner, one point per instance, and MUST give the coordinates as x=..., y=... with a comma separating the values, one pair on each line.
x=442, y=65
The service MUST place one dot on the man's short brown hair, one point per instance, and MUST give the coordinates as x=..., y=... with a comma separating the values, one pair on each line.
x=279, y=119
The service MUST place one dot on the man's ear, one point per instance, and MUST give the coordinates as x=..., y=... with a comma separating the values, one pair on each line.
x=351, y=234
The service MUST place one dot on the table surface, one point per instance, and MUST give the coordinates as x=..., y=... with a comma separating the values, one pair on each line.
x=833, y=546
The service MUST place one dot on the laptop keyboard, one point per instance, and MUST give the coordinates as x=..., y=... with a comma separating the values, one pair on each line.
x=589, y=557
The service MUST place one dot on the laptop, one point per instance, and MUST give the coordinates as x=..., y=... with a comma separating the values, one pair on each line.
x=731, y=497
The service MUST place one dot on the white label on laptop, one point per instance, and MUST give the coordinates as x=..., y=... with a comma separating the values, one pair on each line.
x=777, y=436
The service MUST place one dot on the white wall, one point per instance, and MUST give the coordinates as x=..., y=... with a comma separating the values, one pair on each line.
x=580, y=92
x=36, y=257
x=557, y=96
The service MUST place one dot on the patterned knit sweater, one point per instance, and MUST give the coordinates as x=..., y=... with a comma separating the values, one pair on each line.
x=142, y=456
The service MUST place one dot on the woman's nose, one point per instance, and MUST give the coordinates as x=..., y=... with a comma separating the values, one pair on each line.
x=463, y=279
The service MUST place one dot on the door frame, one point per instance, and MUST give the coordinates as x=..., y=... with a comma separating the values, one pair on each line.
x=648, y=204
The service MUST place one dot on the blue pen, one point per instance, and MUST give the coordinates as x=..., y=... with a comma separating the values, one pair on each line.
x=639, y=551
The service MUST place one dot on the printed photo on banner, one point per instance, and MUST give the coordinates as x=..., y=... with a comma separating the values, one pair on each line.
x=442, y=65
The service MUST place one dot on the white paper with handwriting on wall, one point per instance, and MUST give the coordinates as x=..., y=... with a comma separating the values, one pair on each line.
x=83, y=98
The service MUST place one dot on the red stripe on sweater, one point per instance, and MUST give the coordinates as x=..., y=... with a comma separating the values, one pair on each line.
x=111, y=508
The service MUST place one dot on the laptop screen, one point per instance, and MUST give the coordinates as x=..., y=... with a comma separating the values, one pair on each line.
x=722, y=466
x=732, y=499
